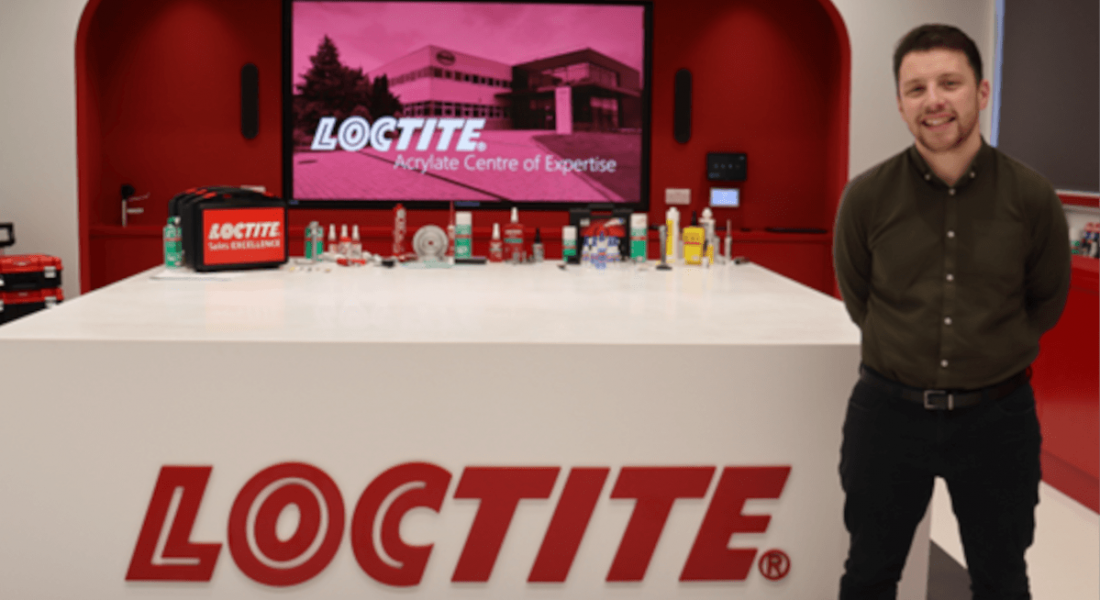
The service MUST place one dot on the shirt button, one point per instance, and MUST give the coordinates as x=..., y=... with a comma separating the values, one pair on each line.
x=950, y=277
x=947, y=320
x=928, y=177
x=973, y=174
x=943, y=363
x=951, y=192
x=951, y=235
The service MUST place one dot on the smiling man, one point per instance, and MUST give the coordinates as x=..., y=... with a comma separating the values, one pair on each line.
x=953, y=259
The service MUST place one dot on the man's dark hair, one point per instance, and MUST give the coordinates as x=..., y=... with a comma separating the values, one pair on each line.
x=931, y=37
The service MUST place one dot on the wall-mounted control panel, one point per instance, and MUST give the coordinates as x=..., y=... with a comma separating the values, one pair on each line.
x=727, y=166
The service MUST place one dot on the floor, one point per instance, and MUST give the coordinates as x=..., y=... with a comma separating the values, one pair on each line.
x=1064, y=561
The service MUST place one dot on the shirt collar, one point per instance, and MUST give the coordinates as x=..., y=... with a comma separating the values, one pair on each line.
x=978, y=165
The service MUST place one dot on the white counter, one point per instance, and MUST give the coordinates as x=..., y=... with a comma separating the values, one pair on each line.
x=499, y=303
x=698, y=373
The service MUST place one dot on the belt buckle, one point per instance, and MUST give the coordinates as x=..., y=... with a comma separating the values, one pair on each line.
x=930, y=402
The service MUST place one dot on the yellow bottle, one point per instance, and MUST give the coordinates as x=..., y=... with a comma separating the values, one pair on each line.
x=693, y=244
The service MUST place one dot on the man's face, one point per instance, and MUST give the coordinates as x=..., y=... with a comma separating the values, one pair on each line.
x=939, y=98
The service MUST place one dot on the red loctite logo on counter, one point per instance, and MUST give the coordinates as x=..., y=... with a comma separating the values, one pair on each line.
x=243, y=236
x=165, y=551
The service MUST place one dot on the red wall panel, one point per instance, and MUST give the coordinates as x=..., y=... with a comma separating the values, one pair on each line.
x=158, y=107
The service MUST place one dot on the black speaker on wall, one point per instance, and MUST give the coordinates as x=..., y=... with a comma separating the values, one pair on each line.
x=681, y=116
x=250, y=101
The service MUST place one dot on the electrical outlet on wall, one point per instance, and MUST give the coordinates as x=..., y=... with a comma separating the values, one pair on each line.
x=680, y=196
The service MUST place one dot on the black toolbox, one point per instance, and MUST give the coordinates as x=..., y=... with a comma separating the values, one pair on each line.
x=29, y=272
x=227, y=228
x=15, y=304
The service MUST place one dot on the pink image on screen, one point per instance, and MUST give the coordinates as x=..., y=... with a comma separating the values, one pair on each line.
x=542, y=102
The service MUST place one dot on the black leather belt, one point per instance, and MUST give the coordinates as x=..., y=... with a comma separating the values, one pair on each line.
x=945, y=399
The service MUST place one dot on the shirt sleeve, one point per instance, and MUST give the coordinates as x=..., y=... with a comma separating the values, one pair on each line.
x=852, y=255
x=1048, y=267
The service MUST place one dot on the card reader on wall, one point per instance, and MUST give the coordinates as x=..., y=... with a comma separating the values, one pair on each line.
x=727, y=166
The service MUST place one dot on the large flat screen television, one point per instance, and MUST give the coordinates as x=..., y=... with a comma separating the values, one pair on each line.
x=493, y=104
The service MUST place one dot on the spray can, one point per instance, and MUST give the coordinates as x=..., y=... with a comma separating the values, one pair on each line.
x=638, y=226
x=464, y=234
x=315, y=240
x=568, y=242
x=173, y=244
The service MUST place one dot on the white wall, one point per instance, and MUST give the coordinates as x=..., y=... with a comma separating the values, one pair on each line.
x=38, y=189
x=38, y=128
x=874, y=27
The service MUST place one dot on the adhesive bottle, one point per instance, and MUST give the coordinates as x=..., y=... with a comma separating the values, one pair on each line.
x=399, y=231
x=496, y=249
x=345, y=241
x=538, y=252
x=707, y=223
x=513, y=239
x=694, y=237
x=333, y=245
x=355, y=249
x=672, y=223
x=173, y=244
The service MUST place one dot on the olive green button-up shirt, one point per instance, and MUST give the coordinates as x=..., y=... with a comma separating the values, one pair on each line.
x=951, y=286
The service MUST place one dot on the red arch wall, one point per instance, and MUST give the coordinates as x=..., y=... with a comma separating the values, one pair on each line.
x=158, y=102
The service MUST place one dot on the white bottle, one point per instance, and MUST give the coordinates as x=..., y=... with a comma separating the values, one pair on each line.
x=709, y=226
x=345, y=241
x=356, y=250
x=672, y=222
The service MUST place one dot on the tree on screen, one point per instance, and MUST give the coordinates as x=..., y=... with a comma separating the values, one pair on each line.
x=332, y=89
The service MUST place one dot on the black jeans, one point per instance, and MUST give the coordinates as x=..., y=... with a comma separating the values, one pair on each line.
x=893, y=450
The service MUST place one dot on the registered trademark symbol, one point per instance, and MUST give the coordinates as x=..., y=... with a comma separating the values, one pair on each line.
x=774, y=565
x=482, y=146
